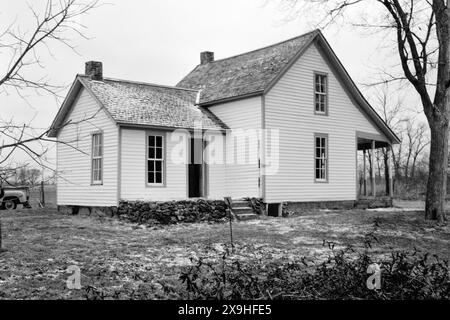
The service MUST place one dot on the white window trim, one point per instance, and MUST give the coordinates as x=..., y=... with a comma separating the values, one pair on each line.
x=327, y=157
x=97, y=157
x=325, y=94
x=163, y=159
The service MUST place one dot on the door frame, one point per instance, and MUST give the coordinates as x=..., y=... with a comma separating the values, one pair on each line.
x=203, y=181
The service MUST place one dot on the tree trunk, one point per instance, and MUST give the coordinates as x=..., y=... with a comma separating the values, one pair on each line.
x=396, y=161
x=437, y=179
x=408, y=158
x=370, y=171
x=386, y=170
x=413, y=167
x=379, y=165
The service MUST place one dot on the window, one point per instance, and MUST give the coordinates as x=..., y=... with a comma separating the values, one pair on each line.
x=320, y=93
x=321, y=158
x=155, y=160
x=97, y=158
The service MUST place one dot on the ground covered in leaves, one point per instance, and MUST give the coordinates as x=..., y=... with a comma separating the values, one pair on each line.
x=124, y=259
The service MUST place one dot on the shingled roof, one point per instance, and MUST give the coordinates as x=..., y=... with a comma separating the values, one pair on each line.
x=244, y=74
x=248, y=74
x=150, y=104
x=137, y=103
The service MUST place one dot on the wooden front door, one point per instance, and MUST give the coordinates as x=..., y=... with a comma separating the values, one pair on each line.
x=195, y=171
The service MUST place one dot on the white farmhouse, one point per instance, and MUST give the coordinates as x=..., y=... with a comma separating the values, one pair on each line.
x=282, y=123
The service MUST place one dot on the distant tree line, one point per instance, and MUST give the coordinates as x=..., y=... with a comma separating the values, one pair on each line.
x=24, y=176
x=409, y=157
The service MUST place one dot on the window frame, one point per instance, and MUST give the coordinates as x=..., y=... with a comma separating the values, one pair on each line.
x=327, y=158
x=162, y=184
x=325, y=94
x=101, y=158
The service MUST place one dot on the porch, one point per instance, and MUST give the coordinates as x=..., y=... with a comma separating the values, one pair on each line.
x=374, y=170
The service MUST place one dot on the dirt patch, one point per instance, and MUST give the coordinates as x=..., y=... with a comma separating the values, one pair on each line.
x=112, y=254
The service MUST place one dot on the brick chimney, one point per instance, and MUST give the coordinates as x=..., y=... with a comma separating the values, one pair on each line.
x=206, y=57
x=94, y=69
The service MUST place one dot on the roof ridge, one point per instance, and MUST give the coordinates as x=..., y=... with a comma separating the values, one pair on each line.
x=143, y=83
x=268, y=46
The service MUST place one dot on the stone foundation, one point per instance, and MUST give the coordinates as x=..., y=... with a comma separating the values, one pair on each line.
x=333, y=205
x=368, y=203
x=88, y=211
x=286, y=208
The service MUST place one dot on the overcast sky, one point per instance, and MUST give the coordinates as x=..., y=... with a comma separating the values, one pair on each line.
x=159, y=41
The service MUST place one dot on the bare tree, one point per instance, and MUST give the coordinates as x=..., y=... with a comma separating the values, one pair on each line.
x=52, y=25
x=391, y=112
x=23, y=49
x=422, y=40
x=378, y=157
x=21, y=176
x=417, y=141
x=34, y=175
x=421, y=142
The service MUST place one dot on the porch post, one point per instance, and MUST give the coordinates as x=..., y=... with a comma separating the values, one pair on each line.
x=364, y=173
x=372, y=166
x=390, y=163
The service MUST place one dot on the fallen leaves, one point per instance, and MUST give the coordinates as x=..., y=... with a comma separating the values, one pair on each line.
x=119, y=258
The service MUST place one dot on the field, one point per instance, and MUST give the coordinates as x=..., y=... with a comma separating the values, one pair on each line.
x=117, y=256
x=49, y=196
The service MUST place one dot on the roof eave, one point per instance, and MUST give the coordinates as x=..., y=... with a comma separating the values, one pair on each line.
x=381, y=124
x=64, y=109
x=167, y=128
x=318, y=36
x=66, y=106
x=291, y=62
x=230, y=99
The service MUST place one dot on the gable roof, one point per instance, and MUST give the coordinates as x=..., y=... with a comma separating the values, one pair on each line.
x=353, y=91
x=256, y=72
x=136, y=103
x=249, y=74
x=245, y=74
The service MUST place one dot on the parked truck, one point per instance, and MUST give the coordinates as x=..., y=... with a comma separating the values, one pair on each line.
x=10, y=197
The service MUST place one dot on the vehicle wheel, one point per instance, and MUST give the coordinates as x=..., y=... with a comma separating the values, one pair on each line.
x=10, y=205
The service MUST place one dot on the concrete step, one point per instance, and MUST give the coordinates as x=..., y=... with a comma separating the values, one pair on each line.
x=240, y=203
x=247, y=216
x=242, y=210
x=239, y=210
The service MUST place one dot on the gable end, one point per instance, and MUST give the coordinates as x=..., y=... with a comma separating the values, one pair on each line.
x=349, y=85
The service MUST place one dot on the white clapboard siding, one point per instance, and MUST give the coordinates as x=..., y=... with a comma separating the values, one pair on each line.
x=241, y=179
x=216, y=167
x=74, y=166
x=289, y=107
x=133, y=169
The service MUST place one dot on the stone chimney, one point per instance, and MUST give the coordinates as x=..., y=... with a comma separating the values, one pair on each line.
x=206, y=57
x=94, y=69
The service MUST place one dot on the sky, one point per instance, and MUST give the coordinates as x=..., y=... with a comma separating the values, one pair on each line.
x=159, y=41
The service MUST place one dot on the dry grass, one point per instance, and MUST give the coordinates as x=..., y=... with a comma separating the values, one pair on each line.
x=41, y=245
x=49, y=196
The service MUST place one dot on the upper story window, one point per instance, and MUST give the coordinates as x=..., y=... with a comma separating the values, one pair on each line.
x=97, y=158
x=155, y=160
x=321, y=93
x=321, y=157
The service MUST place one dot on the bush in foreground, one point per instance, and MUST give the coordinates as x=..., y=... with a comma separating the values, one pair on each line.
x=249, y=273
x=404, y=275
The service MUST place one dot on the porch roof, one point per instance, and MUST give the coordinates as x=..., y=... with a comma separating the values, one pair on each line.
x=364, y=140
